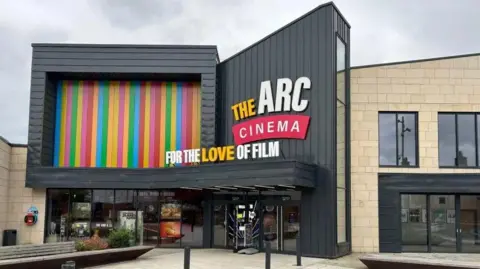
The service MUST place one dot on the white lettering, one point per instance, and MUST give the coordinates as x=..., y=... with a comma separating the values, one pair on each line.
x=270, y=127
x=302, y=83
x=240, y=152
x=265, y=99
x=242, y=134
x=282, y=126
x=274, y=148
x=295, y=127
x=283, y=98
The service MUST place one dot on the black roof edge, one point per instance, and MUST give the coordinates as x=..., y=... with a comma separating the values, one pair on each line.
x=340, y=14
x=417, y=61
x=86, y=45
x=13, y=145
x=286, y=26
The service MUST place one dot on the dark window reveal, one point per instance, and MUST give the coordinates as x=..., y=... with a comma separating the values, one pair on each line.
x=398, y=139
x=458, y=139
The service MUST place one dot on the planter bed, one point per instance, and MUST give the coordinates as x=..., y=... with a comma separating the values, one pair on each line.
x=417, y=261
x=82, y=259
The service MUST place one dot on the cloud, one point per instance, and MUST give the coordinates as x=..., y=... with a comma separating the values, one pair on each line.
x=382, y=31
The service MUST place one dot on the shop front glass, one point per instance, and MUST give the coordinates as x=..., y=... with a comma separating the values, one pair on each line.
x=166, y=218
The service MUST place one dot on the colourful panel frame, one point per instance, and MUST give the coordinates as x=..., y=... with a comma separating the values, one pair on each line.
x=129, y=124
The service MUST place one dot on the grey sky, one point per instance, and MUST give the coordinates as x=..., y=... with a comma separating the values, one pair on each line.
x=382, y=31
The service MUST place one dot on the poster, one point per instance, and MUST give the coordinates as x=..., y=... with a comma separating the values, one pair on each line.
x=171, y=211
x=170, y=229
x=127, y=220
x=424, y=215
x=439, y=216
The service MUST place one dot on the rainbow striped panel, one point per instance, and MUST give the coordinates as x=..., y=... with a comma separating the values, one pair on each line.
x=129, y=124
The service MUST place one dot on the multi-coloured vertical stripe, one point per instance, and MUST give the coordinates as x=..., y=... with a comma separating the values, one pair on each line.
x=124, y=123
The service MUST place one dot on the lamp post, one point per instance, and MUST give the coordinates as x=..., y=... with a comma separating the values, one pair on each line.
x=402, y=134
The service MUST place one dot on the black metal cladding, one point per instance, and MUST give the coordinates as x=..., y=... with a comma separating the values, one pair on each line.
x=72, y=60
x=306, y=47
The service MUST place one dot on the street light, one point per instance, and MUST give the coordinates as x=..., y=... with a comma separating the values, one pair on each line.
x=402, y=134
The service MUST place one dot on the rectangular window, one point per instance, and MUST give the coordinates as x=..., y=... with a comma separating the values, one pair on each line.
x=398, y=143
x=458, y=139
x=341, y=141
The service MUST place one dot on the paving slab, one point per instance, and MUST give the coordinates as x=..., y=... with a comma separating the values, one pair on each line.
x=221, y=259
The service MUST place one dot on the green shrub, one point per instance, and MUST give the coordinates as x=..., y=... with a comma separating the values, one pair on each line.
x=120, y=238
x=80, y=245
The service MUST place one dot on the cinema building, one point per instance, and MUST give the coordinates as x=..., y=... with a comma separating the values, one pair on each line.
x=283, y=142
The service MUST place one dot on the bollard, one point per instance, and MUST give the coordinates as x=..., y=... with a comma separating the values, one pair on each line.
x=299, y=250
x=268, y=251
x=186, y=258
x=68, y=265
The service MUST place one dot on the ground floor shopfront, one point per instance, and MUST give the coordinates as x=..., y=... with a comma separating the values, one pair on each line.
x=416, y=215
x=220, y=218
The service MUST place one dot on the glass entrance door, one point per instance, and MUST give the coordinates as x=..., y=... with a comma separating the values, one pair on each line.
x=281, y=225
x=443, y=232
x=469, y=223
x=440, y=223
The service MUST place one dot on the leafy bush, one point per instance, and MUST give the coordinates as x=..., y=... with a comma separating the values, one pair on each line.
x=120, y=238
x=80, y=245
x=93, y=243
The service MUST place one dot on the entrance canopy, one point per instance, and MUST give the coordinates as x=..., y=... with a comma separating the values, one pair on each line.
x=234, y=175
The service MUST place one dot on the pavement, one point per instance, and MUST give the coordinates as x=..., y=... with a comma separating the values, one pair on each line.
x=220, y=259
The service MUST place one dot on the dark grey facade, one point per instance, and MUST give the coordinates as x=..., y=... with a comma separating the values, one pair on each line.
x=52, y=62
x=305, y=47
x=391, y=186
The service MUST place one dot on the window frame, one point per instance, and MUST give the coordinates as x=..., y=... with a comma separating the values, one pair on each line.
x=476, y=116
x=398, y=165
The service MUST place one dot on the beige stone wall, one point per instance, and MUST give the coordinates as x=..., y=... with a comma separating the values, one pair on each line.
x=425, y=87
x=4, y=175
x=15, y=199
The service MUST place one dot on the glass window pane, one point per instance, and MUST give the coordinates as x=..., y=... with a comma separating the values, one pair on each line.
x=340, y=145
x=57, y=215
x=291, y=227
x=341, y=216
x=446, y=139
x=466, y=140
x=341, y=74
x=192, y=217
x=407, y=139
x=124, y=216
x=80, y=214
x=470, y=223
x=102, y=212
x=442, y=223
x=387, y=139
x=414, y=223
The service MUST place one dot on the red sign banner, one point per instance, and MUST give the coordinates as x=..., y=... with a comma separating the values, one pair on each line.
x=285, y=126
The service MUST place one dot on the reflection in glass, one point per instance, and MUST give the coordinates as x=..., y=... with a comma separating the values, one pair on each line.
x=414, y=223
x=398, y=139
x=446, y=140
x=341, y=74
x=406, y=136
x=341, y=216
x=57, y=215
x=124, y=216
x=291, y=227
x=102, y=212
x=80, y=215
x=466, y=140
x=387, y=136
x=192, y=217
x=219, y=226
x=270, y=225
x=148, y=203
x=442, y=223
x=470, y=223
